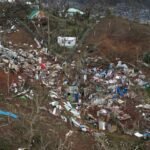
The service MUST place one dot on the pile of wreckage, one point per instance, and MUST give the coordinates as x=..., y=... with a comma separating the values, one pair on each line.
x=94, y=100
x=100, y=103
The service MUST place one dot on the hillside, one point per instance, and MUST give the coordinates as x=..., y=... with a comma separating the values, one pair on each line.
x=115, y=37
x=73, y=82
x=111, y=2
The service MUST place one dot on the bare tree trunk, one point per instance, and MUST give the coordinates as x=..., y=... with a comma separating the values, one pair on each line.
x=8, y=79
x=48, y=31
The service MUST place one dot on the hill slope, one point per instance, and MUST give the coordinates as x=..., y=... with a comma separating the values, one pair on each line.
x=115, y=37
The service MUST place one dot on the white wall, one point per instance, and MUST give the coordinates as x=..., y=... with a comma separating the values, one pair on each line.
x=69, y=42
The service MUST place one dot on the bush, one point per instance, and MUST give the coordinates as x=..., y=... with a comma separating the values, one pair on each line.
x=4, y=144
x=146, y=58
x=2, y=97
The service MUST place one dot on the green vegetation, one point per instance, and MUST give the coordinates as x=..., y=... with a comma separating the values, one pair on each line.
x=73, y=26
x=146, y=57
x=124, y=142
x=1, y=97
x=5, y=144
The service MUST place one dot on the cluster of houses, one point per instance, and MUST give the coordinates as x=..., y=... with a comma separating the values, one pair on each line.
x=63, y=41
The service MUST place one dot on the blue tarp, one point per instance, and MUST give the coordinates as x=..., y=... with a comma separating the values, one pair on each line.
x=146, y=135
x=121, y=91
x=6, y=113
x=76, y=97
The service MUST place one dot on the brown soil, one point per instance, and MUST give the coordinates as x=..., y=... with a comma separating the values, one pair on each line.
x=47, y=123
x=118, y=40
x=20, y=37
x=4, y=81
x=116, y=37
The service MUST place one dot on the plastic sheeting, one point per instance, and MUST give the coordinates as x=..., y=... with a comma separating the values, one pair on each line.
x=6, y=113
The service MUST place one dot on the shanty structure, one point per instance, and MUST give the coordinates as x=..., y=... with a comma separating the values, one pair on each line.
x=68, y=42
x=73, y=11
x=36, y=14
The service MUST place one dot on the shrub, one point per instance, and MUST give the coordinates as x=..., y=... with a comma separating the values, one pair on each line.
x=146, y=57
x=4, y=144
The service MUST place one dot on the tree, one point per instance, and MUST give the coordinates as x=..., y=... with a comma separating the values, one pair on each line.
x=146, y=58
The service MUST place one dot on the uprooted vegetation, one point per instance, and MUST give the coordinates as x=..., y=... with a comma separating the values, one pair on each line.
x=32, y=87
x=59, y=26
x=12, y=11
x=37, y=129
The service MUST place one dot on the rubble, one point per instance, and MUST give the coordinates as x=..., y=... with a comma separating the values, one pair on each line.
x=69, y=134
x=137, y=134
x=90, y=100
x=88, y=93
x=146, y=106
x=68, y=100
x=116, y=83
